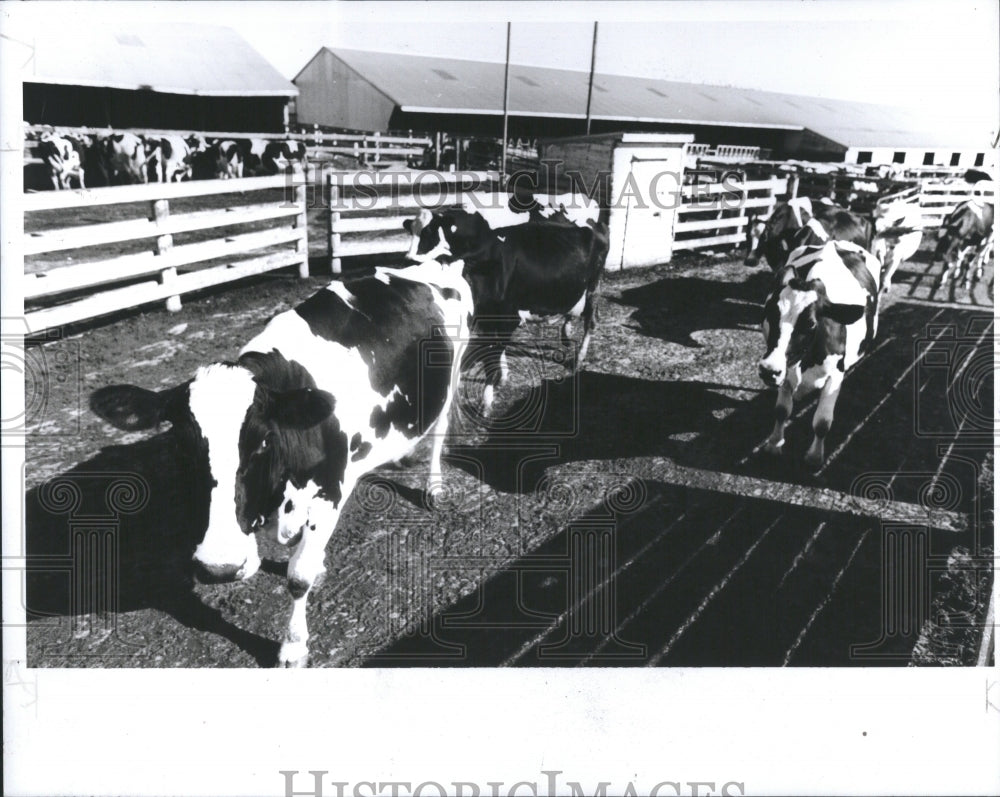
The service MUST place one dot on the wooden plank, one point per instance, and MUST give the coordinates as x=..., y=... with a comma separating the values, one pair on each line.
x=118, y=194
x=132, y=229
x=85, y=275
x=709, y=224
x=147, y=292
x=697, y=243
x=378, y=246
x=368, y=224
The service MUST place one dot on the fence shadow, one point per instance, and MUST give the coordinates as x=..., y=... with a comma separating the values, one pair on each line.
x=116, y=533
x=594, y=416
x=673, y=308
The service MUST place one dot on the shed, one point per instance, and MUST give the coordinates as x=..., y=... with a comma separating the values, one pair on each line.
x=637, y=177
x=163, y=76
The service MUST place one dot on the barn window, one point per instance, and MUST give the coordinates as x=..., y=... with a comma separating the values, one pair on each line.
x=865, y=157
x=955, y=158
x=444, y=74
x=899, y=157
x=979, y=159
x=929, y=159
x=527, y=81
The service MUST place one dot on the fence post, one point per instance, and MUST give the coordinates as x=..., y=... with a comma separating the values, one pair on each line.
x=302, y=223
x=377, y=154
x=332, y=237
x=793, y=185
x=164, y=243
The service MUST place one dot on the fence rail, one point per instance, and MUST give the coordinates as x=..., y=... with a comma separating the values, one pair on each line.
x=723, y=214
x=387, y=211
x=164, y=272
x=938, y=199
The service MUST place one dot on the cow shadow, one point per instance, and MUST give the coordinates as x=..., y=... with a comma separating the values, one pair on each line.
x=595, y=416
x=673, y=308
x=115, y=534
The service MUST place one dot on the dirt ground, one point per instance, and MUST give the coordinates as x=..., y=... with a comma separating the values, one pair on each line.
x=620, y=515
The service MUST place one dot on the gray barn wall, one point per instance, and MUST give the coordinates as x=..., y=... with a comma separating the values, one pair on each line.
x=333, y=94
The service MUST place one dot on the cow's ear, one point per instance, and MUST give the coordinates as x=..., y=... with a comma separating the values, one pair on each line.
x=408, y=226
x=845, y=314
x=133, y=408
x=302, y=408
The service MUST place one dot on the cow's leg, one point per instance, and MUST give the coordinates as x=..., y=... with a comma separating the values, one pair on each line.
x=823, y=419
x=589, y=316
x=494, y=366
x=782, y=412
x=435, y=479
x=305, y=568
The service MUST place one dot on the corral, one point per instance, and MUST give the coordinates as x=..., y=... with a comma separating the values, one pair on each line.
x=623, y=515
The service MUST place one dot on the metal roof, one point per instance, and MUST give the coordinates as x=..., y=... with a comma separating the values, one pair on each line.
x=173, y=58
x=421, y=83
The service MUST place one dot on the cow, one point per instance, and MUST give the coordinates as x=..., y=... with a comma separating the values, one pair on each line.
x=965, y=240
x=529, y=270
x=350, y=379
x=523, y=207
x=63, y=158
x=262, y=157
x=223, y=160
x=898, y=233
x=818, y=321
x=799, y=222
x=126, y=157
x=170, y=159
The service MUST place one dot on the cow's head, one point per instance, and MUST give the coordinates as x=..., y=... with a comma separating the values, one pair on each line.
x=799, y=320
x=446, y=234
x=773, y=239
x=252, y=439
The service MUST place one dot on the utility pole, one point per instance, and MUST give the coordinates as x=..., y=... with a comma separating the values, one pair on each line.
x=590, y=83
x=506, y=100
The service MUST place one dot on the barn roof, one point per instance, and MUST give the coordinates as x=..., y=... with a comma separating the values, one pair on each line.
x=418, y=83
x=173, y=58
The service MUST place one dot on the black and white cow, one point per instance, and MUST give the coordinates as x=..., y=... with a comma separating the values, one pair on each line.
x=530, y=270
x=898, y=234
x=815, y=329
x=63, y=159
x=324, y=394
x=965, y=240
x=802, y=222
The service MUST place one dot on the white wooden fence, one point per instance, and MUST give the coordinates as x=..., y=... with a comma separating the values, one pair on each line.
x=714, y=214
x=165, y=271
x=939, y=198
x=364, y=208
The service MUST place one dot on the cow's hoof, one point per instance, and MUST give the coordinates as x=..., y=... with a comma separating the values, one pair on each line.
x=814, y=462
x=293, y=655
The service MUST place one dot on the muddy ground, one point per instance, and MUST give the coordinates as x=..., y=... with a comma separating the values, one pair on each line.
x=620, y=515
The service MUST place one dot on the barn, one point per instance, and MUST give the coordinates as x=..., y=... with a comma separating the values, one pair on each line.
x=163, y=76
x=361, y=90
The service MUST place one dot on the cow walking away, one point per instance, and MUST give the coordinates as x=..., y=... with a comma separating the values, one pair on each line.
x=965, y=241
x=898, y=233
x=352, y=378
x=529, y=270
x=802, y=222
x=63, y=157
x=821, y=317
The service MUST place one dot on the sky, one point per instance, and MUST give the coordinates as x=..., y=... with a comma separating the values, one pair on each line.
x=940, y=58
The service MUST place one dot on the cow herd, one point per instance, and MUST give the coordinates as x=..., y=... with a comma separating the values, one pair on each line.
x=361, y=372
x=77, y=160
